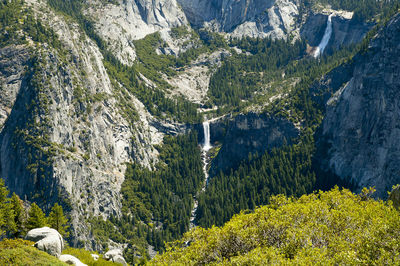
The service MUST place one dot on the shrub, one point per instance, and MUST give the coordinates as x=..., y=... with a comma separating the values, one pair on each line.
x=335, y=227
x=22, y=252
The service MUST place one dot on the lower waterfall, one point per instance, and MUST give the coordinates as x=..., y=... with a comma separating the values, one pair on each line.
x=205, y=148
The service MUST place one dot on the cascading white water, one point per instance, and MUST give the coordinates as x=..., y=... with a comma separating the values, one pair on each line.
x=206, y=147
x=206, y=129
x=325, y=39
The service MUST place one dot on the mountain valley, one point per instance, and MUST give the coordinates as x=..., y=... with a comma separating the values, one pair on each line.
x=144, y=119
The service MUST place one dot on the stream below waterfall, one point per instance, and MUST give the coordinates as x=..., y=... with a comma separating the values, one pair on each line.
x=205, y=148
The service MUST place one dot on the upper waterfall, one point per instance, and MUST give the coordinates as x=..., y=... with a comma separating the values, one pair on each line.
x=325, y=39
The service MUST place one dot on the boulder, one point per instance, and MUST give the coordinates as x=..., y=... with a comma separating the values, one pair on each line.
x=47, y=240
x=394, y=196
x=115, y=255
x=95, y=257
x=71, y=260
x=119, y=259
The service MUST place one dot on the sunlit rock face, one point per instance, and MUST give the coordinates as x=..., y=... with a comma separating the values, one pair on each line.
x=255, y=18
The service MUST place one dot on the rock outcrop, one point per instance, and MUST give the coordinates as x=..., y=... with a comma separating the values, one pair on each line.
x=47, y=240
x=115, y=255
x=122, y=23
x=394, y=196
x=255, y=18
x=71, y=260
x=360, y=132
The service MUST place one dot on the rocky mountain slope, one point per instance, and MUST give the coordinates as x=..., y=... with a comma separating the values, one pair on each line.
x=360, y=129
x=63, y=132
x=88, y=88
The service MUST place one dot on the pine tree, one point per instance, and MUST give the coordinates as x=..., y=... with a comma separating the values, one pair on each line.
x=7, y=224
x=36, y=218
x=19, y=215
x=58, y=221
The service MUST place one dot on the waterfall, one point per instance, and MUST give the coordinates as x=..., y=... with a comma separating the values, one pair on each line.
x=205, y=148
x=325, y=39
x=206, y=129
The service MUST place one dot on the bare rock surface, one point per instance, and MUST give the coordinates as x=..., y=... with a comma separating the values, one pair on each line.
x=47, y=239
x=115, y=255
x=360, y=133
x=69, y=259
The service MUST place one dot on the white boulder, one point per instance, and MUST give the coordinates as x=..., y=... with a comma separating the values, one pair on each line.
x=71, y=260
x=115, y=255
x=47, y=239
x=95, y=257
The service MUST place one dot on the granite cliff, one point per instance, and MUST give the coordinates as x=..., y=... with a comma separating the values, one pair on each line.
x=360, y=131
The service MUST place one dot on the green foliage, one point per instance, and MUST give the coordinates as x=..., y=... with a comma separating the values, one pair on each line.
x=287, y=170
x=152, y=63
x=157, y=204
x=10, y=13
x=15, y=222
x=17, y=25
x=22, y=252
x=7, y=224
x=58, y=221
x=154, y=99
x=324, y=228
x=241, y=75
x=103, y=230
x=85, y=257
x=363, y=10
x=19, y=215
x=282, y=171
x=36, y=218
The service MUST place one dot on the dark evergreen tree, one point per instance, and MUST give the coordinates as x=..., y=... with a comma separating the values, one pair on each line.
x=58, y=221
x=36, y=217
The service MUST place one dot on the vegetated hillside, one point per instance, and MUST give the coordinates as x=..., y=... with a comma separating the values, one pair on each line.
x=296, y=169
x=329, y=228
x=87, y=111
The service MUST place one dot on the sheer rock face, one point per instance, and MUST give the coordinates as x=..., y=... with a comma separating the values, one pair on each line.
x=361, y=130
x=344, y=31
x=255, y=18
x=13, y=61
x=251, y=133
x=120, y=24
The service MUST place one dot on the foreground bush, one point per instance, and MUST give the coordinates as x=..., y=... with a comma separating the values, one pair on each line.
x=22, y=252
x=335, y=227
x=85, y=257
